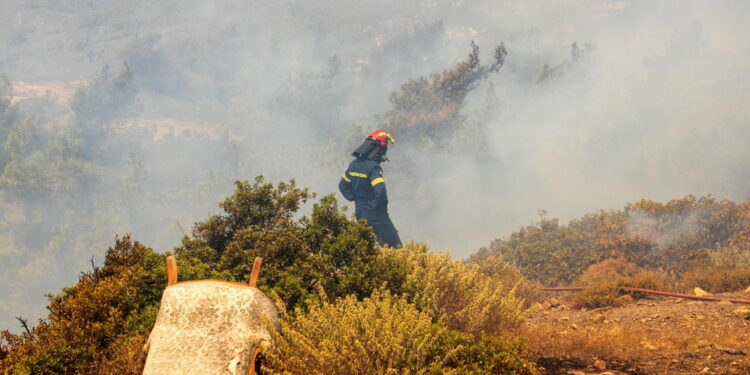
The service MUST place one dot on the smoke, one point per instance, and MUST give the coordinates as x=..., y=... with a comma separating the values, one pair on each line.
x=667, y=231
x=653, y=105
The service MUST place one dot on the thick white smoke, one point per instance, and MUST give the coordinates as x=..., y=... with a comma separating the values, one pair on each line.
x=654, y=107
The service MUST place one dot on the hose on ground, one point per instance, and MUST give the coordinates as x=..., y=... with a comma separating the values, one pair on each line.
x=649, y=291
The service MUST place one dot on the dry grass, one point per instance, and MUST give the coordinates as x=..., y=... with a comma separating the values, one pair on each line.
x=656, y=336
x=623, y=342
x=549, y=340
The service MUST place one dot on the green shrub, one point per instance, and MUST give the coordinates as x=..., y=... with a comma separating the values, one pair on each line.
x=327, y=251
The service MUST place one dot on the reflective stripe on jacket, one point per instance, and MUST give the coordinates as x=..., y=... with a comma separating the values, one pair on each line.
x=363, y=183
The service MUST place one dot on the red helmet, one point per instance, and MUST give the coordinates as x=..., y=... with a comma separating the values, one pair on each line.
x=381, y=137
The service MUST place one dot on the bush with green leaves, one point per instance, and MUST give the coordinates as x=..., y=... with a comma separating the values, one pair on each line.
x=326, y=253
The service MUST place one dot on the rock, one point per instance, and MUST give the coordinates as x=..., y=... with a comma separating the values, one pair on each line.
x=564, y=319
x=553, y=302
x=734, y=363
x=729, y=350
x=700, y=292
x=606, y=373
x=601, y=365
x=725, y=302
x=706, y=369
x=207, y=327
x=575, y=372
x=742, y=312
x=600, y=318
x=573, y=326
x=747, y=290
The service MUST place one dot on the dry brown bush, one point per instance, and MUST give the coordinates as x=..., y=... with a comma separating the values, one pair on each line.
x=459, y=294
x=497, y=267
x=384, y=334
x=602, y=281
x=127, y=359
x=608, y=270
x=715, y=280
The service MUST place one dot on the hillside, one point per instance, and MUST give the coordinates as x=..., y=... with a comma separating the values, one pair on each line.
x=137, y=117
x=598, y=144
x=330, y=277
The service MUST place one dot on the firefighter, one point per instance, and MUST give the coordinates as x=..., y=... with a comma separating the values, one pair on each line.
x=363, y=183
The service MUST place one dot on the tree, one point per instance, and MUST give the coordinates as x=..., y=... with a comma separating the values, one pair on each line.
x=8, y=117
x=430, y=107
x=110, y=97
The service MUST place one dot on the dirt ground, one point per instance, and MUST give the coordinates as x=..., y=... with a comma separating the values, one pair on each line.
x=657, y=335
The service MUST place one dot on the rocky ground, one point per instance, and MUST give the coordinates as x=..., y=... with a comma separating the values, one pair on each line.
x=662, y=335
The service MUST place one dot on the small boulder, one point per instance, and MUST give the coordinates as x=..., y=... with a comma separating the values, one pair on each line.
x=742, y=312
x=700, y=292
x=553, y=302
x=601, y=365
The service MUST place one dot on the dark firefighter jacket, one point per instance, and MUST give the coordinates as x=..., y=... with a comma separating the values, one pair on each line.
x=363, y=183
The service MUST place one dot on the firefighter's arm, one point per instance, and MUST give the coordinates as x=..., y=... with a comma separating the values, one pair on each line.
x=378, y=187
x=345, y=187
